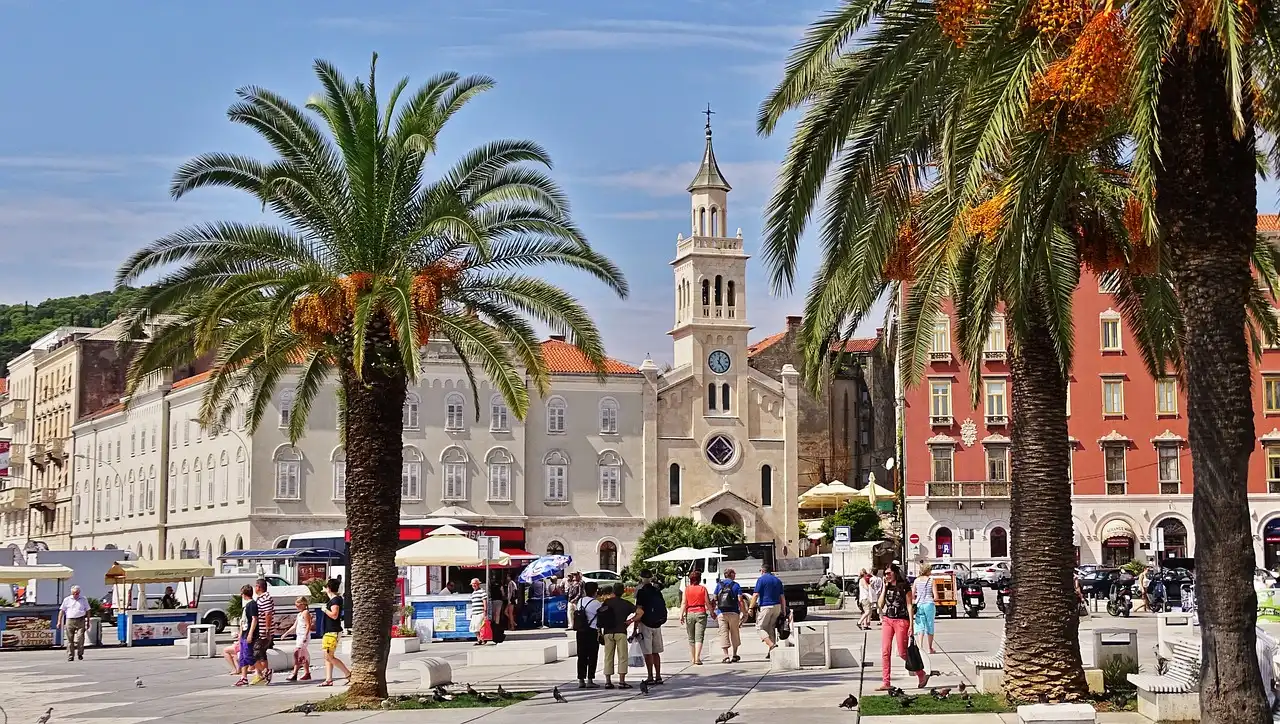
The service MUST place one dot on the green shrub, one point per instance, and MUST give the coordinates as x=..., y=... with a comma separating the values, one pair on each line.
x=317, y=591
x=235, y=607
x=671, y=596
x=831, y=590
x=1115, y=674
x=1134, y=567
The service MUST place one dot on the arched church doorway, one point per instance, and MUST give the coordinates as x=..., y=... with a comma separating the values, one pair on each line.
x=727, y=518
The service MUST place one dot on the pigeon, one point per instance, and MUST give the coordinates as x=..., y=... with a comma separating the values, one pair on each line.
x=555, y=694
x=850, y=702
x=423, y=700
x=907, y=701
x=1044, y=698
x=483, y=697
x=472, y=691
x=644, y=688
x=503, y=692
x=438, y=698
x=726, y=717
x=962, y=687
x=895, y=692
x=138, y=682
x=942, y=693
x=387, y=704
x=306, y=708
x=968, y=703
x=44, y=718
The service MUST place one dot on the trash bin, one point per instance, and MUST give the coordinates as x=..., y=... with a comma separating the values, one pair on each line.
x=1113, y=643
x=93, y=632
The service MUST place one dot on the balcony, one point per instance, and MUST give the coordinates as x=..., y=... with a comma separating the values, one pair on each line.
x=55, y=451
x=13, y=409
x=941, y=420
x=967, y=489
x=12, y=499
x=993, y=420
x=46, y=498
x=993, y=355
x=35, y=453
x=940, y=355
x=17, y=453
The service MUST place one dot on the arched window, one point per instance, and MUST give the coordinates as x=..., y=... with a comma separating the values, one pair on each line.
x=150, y=550
x=499, y=462
x=702, y=222
x=411, y=474
x=242, y=475
x=610, y=465
x=556, y=464
x=339, y=460
x=132, y=491
x=608, y=416
x=288, y=473
x=154, y=441
x=172, y=486
x=706, y=292
x=197, y=494
x=766, y=485
x=142, y=443
x=942, y=542
x=222, y=545
x=711, y=396
x=209, y=484
x=732, y=297
x=715, y=221
x=208, y=552
x=286, y=407
x=75, y=509
x=609, y=551
x=454, y=462
x=455, y=417
x=186, y=484
x=195, y=547
x=556, y=412
x=97, y=500
x=171, y=555
x=999, y=543
x=173, y=443
x=133, y=443
x=724, y=397
x=719, y=291
x=224, y=474
x=186, y=434
x=151, y=489
x=555, y=548
x=498, y=414
x=409, y=415
x=239, y=543
x=673, y=483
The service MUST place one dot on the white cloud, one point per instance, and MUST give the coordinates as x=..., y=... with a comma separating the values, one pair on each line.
x=85, y=167
x=640, y=34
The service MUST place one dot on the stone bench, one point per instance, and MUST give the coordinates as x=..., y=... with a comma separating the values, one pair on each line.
x=991, y=681
x=1056, y=714
x=566, y=649
x=1174, y=695
x=508, y=655
x=1168, y=626
x=432, y=671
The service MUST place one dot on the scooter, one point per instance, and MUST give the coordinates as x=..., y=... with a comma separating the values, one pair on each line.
x=971, y=597
x=1004, y=592
x=1121, y=601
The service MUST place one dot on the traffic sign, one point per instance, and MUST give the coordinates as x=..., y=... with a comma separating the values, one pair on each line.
x=915, y=538
x=842, y=535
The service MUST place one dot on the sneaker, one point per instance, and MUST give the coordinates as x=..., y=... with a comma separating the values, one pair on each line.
x=257, y=680
x=582, y=684
x=592, y=685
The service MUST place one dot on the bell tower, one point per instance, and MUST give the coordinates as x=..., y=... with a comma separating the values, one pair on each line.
x=710, y=273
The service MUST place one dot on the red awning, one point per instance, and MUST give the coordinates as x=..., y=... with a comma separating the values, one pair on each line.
x=517, y=554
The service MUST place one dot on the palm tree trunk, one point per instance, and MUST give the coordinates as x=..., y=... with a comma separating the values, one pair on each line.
x=1042, y=647
x=373, y=444
x=1207, y=206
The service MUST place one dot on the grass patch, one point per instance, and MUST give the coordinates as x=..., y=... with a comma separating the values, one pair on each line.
x=341, y=702
x=925, y=704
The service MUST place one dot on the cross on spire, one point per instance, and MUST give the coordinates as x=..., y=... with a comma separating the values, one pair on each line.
x=708, y=113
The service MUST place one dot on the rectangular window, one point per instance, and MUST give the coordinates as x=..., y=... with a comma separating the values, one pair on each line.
x=995, y=338
x=1113, y=459
x=287, y=479
x=995, y=390
x=998, y=463
x=557, y=482
x=455, y=415
x=242, y=474
x=340, y=480
x=609, y=419
x=1113, y=397
x=455, y=481
x=1071, y=462
x=942, y=455
x=1167, y=469
x=941, y=343
x=498, y=417
x=1166, y=396
x=610, y=484
x=500, y=481
x=1111, y=334
x=1273, y=469
x=555, y=418
x=411, y=481
x=1271, y=395
x=940, y=399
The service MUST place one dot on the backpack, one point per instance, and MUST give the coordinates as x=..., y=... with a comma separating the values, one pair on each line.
x=581, y=622
x=604, y=617
x=658, y=613
x=725, y=600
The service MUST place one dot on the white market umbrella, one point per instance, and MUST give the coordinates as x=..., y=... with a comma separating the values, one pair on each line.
x=445, y=546
x=815, y=497
x=839, y=493
x=684, y=553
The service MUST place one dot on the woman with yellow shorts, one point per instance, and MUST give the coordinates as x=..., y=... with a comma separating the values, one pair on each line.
x=331, y=628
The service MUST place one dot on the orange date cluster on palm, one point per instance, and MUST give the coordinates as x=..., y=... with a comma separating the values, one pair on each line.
x=1077, y=95
x=320, y=316
x=955, y=17
x=898, y=266
x=427, y=291
x=983, y=221
x=1144, y=258
x=1059, y=19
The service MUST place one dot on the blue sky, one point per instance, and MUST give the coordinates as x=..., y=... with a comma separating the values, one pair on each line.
x=105, y=99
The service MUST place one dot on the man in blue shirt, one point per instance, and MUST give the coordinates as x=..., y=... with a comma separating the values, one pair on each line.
x=729, y=601
x=770, y=603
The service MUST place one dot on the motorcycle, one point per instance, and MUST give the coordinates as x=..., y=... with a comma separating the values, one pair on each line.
x=1004, y=592
x=1121, y=601
x=971, y=597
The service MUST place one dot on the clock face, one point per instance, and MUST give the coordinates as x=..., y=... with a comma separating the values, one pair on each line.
x=719, y=361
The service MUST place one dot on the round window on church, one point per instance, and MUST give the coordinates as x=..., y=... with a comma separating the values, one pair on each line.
x=720, y=450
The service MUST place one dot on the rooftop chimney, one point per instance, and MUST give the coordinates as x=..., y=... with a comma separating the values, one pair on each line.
x=793, y=321
x=558, y=337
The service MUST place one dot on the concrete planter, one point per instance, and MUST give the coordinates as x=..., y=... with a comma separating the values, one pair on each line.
x=405, y=645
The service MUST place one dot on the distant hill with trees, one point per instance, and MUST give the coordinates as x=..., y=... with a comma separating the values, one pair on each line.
x=22, y=324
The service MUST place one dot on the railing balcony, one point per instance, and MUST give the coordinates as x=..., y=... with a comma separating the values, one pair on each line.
x=12, y=499
x=13, y=409
x=42, y=498
x=17, y=452
x=966, y=489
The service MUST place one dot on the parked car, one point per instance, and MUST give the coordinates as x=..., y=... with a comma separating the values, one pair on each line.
x=991, y=571
x=1097, y=583
x=601, y=577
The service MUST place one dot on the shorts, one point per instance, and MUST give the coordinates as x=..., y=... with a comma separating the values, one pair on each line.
x=261, y=646
x=767, y=619
x=926, y=615
x=650, y=640
x=329, y=642
x=244, y=655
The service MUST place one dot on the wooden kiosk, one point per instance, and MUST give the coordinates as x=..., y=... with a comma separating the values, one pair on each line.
x=137, y=625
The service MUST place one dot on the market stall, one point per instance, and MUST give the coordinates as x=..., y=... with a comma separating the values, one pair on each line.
x=550, y=610
x=447, y=613
x=30, y=626
x=138, y=626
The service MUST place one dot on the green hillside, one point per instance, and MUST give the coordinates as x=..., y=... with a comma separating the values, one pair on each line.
x=22, y=324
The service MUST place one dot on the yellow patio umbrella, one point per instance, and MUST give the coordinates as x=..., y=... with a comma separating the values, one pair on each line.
x=815, y=497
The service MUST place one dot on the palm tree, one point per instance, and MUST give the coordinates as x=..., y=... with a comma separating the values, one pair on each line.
x=371, y=259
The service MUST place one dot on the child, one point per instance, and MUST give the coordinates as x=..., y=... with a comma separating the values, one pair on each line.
x=248, y=626
x=302, y=626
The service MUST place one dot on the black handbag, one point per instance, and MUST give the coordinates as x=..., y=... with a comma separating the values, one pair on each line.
x=914, y=661
x=784, y=627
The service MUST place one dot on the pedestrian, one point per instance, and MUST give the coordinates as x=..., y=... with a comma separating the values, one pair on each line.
x=477, y=610
x=770, y=603
x=331, y=630
x=1144, y=579
x=650, y=615
x=896, y=611
x=695, y=605
x=865, y=599
x=248, y=629
x=513, y=599
x=301, y=628
x=586, y=626
x=263, y=639
x=877, y=587
x=169, y=599
x=71, y=619
x=613, y=624
x=498, y=611
x=232, y=654
x=730, y=603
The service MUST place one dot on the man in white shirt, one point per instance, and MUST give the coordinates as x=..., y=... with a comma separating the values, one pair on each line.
x=71, y=619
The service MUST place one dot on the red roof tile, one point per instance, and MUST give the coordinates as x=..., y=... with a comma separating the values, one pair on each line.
x=4, y=385
x=564, y=358
x=860, y=345
x=192, y=380
x=764, y=344
x=108, y=410
x=1268, y=222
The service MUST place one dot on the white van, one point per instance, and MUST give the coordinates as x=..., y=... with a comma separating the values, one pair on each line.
x=217, y=591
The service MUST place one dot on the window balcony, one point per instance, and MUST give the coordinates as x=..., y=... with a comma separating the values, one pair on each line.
x=994, y=355
x=940, y=355
x=45, y=498
x=997, y=420
x=941, y=420
x=13, y=409
x=13, y=499
x=966, y=489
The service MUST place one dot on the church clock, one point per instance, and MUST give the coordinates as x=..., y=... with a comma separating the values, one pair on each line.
x=719, y=361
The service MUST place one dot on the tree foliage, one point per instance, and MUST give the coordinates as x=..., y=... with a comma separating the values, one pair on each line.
x=859, y=515
x=22, y=324
x=665, y=534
